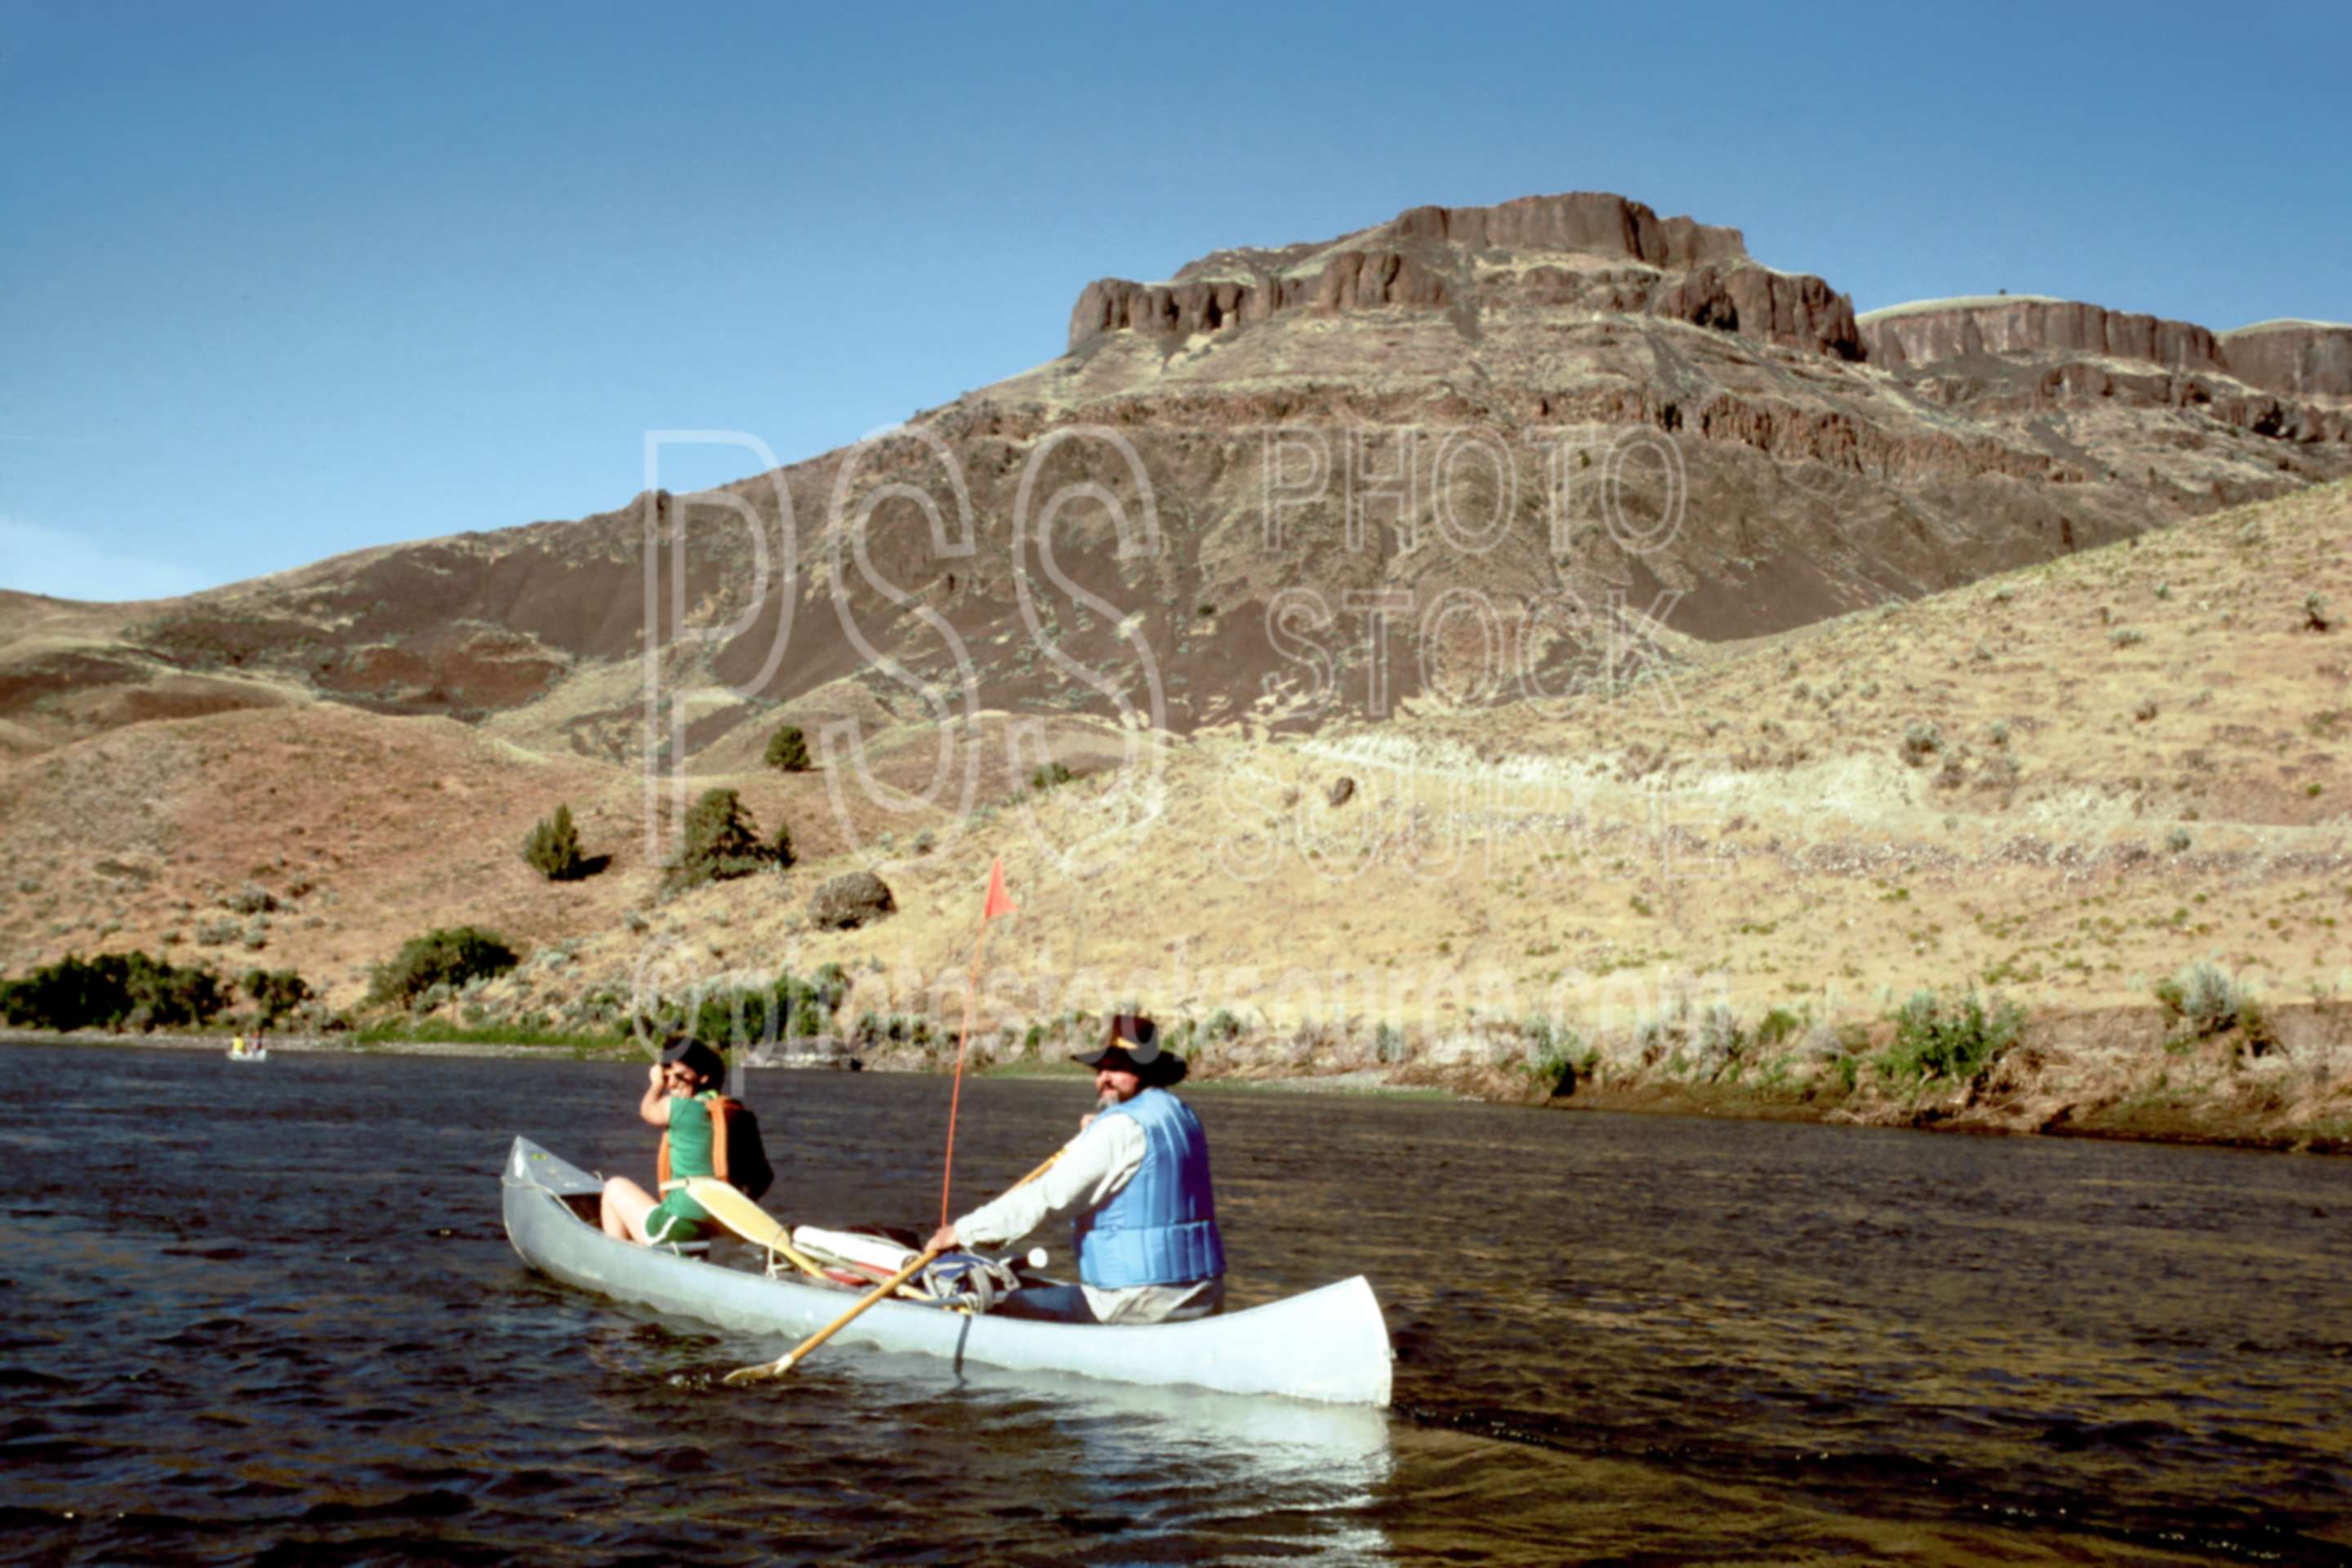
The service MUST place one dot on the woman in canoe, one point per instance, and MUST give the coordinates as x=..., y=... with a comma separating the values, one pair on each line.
x=1135, y=1182
x=679, y=1089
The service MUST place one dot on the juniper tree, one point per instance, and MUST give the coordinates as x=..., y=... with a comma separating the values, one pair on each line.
x=723, y=841
x=788, y=750
x=553, y=846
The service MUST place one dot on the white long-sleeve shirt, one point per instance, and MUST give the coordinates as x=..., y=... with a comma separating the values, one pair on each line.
x=1098, y=1162
x=1092, y=1170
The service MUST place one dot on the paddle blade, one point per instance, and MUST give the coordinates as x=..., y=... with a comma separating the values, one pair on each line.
x=767, y=1372
x=737, y=1213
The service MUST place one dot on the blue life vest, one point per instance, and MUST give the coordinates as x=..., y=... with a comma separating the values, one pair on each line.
x=1161, y=1227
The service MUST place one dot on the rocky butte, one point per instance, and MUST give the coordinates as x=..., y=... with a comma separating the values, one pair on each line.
x=1680, y=270
x=1776, y=459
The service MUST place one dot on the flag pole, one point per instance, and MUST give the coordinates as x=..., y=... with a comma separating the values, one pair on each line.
x=998, y=903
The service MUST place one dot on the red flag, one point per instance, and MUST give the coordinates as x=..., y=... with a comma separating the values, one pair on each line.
x=999, y=901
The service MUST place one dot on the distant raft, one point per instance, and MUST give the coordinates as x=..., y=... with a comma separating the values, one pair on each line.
x=1330, y=1344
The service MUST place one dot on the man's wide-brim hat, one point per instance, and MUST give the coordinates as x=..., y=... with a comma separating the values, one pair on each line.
x=1132, y=1042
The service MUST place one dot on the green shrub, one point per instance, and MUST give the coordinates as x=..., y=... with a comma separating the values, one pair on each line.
x=1920, y=741
x=277, y=992
x=787, y=1008
x=113, y=991
x=722, y=841
x=530, y=1029
x=253, y=899
x=1554, y=1054
x=552, y=848
x=438, y=958
x=788, y=750
x=1720, y=1033
x=1778, y=1025
x=1047, y=775
x=2211, y=1001
x=899, y=1029
x=1953, y=1037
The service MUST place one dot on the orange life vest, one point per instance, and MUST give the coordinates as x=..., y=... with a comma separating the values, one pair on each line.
x=743, y=1166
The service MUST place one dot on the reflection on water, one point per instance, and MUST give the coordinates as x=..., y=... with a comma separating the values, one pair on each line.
x=270, y=1313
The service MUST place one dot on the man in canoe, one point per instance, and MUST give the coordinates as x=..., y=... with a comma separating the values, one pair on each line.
x=704, y=1134
x=1135, y=1182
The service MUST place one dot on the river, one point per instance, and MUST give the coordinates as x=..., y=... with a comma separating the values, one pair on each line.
x=268, y=1314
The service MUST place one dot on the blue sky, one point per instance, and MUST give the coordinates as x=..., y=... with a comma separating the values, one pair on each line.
x=277, y=282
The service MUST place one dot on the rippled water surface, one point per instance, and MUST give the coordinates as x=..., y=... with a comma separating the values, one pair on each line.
x=269, y=1313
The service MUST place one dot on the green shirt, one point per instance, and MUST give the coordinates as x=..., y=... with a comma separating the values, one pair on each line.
x=690, y=1148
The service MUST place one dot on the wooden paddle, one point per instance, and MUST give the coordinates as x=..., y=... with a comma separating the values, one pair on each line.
x=792, y=1357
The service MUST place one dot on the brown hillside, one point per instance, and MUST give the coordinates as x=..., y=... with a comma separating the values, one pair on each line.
x=2082, y=811
x=2060, y=785
x=1539, y=357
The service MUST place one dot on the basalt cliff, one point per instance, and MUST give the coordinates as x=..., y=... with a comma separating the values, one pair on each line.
x=1582, y=412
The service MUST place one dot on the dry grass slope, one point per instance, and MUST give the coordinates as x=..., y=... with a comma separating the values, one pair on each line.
x=2062, y=783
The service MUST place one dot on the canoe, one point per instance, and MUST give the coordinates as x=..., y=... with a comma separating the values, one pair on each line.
x=262, y=1055
x=1329, y=1344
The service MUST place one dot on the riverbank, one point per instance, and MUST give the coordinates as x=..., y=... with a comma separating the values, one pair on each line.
x=315, y=1045
x=2283, y=1081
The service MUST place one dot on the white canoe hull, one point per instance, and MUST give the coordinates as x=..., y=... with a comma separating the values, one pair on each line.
x=1329, y=1344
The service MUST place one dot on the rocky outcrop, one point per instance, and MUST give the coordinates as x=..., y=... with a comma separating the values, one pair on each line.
x=1951, y=349
x=1683, y=270
x=1593, y=222
x=2304, y=358
x=2300, y=359
x=1793, y=310
x=1352, y=279
x=846, y=902
x=1360, y=279
x=1116, y=305
x=1934, y=330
